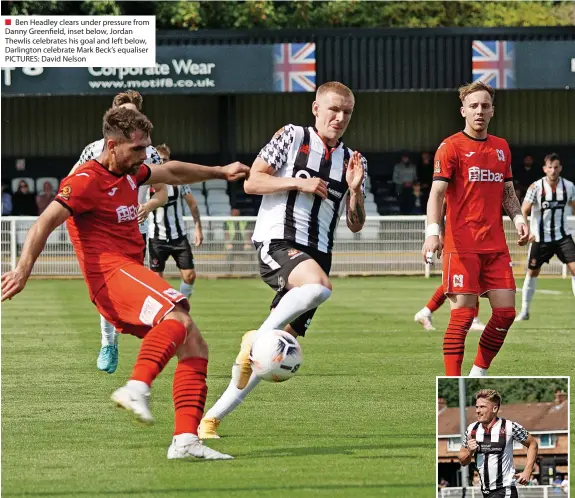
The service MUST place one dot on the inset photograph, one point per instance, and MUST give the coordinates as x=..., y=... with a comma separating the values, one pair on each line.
x=503, y=437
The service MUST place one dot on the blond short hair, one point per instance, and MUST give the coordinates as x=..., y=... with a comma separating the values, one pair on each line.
x=490, y=395
x=164, y=148
x=129, y=97
x=336, y=87
x=476, y=86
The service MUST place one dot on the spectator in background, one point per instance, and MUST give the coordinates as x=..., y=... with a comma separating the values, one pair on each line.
x=24, y=201
x=443, y=483
x=525, y=175
x=6, y=200
x=236, y=232
x=425, y=174
x=417, y=200
x=565, y=484
x=45, y=197
x=404, y=176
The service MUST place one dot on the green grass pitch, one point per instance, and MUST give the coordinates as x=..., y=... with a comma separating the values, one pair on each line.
x=357, y=420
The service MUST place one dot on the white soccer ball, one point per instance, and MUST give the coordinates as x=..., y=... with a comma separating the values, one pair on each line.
x=275, y=355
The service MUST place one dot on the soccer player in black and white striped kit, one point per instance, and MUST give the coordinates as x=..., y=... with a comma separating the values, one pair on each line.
x=306, y=176
x=167, y=232
x=549, y=200
x=489, y=441
x=108, y=357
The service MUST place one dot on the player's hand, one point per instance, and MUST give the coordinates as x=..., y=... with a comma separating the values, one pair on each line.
x=235, y=171
x=531, y=237
x=523, y=232
x=354, y=173
x=431, y=245
x=143, y=212
x=12, y=283
x=198, y=237
x=315, y=186
x=472, y=445
x=522, y=478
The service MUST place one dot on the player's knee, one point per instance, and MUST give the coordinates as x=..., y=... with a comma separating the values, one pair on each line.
x=506, y=315
x=189, y=277
x=195, y=345
x=318, y=293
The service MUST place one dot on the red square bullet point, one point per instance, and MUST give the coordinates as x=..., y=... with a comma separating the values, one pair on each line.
x=8, y=22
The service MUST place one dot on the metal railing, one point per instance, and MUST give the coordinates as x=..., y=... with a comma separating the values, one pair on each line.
x=387, y=245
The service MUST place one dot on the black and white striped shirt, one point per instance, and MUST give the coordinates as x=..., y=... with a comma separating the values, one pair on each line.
x=494, y=455
x=550, y=209
x=167, y=222
x=297, y=151
x=93, y=150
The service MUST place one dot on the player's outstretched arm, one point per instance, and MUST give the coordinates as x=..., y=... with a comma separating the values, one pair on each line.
x=513, y=209
x=179, y=173
x=14, y=281
x=435, y=211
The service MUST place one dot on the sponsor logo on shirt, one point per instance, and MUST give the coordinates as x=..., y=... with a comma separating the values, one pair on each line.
x=65, y=192
x=127, y=213
x=477, y=174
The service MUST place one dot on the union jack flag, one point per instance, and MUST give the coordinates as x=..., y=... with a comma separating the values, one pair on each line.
x=492, y=63
x=294, y=67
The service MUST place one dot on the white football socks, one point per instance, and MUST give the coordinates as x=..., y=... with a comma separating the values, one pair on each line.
x=109, y=336
x=186, y=289
x=232, y=396
x=528, y=291
x=478, y=371
x=573, y=284
x=293, y=304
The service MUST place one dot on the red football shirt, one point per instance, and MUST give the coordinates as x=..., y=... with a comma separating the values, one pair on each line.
x=103, y=227
x=476, y=170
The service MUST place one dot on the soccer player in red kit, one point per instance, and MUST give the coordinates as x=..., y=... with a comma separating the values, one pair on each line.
x=99, y=202
x=472, y=171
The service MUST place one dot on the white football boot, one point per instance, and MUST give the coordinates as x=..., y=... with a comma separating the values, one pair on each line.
x=423, y=316
x=189, y=446
x=477, y=325
x=524, y=315
x=135, y=402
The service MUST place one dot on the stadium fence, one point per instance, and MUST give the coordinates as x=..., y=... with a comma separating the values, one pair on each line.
x=522, y=491
x=387, y=245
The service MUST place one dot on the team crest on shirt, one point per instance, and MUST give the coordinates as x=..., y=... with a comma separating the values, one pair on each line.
x=437, y=168
x=457, y=280
x=500, y=155
x=173, y=294
x=293, y=253
x=65, y=193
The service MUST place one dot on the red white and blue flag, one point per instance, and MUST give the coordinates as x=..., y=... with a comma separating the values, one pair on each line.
x=493, y=63
x=294, y=67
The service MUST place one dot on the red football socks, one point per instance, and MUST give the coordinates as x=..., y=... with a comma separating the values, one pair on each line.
x=437, y=300
x=190, y=392
x=493, y=336
x=157, y=348
x=454, y=339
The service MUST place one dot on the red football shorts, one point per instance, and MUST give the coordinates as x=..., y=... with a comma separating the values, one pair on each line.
x=472, y=273
x=136, y=299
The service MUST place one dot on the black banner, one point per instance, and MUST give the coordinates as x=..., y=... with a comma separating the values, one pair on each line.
x=182, y=69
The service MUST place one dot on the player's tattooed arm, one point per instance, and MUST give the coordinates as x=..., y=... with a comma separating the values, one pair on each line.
x=355, y=211
x=511, y=203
